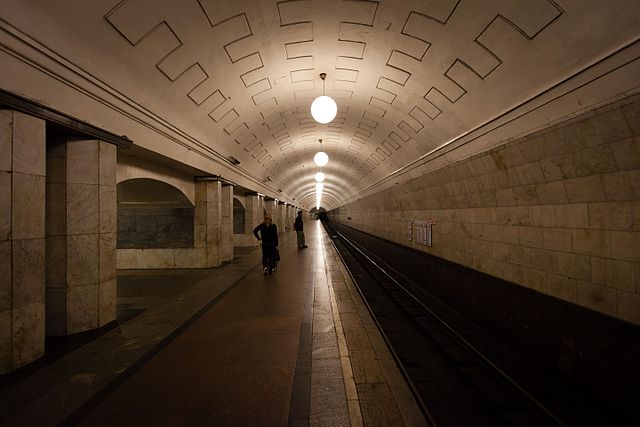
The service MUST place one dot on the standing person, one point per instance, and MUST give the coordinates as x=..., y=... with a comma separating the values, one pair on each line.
x=269, y=236
x=299, y=226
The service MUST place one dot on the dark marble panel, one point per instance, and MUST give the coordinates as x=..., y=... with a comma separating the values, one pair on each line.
x=155, y=227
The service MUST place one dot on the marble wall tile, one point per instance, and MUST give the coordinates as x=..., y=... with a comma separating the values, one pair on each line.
x=201, y=192
x=107, y=157
x=606, y=127
x=28, y=271
x=56, y=209
x=82, y=260
x=56, y=262
x=6, y=138
x=82, y=308
x=595, y=160
x=56, y=311
x=107, y=242
x=5, y=275
x=28, y=144
x=212, y=258
x=553, y=193
x=155, y=258
x=5, y=341
x=200, y=236
x=212, y=192
x=5, y=206
x=190, y=258
x=610, y=216
x=108, y=295
x=213, y=214
x=575, y=266
x=200, y=214
x=587, y=189
x=627, y=153
x=28, y=203
x=28, y=334
x=618, y=186
x=82, y=208
x=562, y=287
x=126, y=259
x=625, y=245
x=108, y=209
x=632, y=114
x=598, y=298
x=82, y=162
x=615, y=274
x=629, y=307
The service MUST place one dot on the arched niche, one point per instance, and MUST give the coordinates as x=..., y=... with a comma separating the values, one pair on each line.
x=153, y=214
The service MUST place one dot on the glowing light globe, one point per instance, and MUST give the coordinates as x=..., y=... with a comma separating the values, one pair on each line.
x=319, y=187
x=323, y=109
x=321, y=158
x=319, y=177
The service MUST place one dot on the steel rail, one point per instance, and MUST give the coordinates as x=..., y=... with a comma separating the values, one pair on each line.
x=453, y=332
x=414, y=391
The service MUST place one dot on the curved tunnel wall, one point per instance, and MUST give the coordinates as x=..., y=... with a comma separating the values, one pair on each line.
x=557, y=211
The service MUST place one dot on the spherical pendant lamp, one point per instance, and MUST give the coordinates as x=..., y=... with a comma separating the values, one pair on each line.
x=323, y=108
x=319, y=177
x=321, y=158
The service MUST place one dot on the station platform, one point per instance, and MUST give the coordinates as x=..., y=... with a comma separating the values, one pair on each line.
x=228, y=346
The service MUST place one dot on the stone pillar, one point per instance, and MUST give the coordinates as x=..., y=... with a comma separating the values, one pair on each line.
x=282, y=217
x=270, y=207
x=81, y=235
x=291, y=216
x=226, y=229
x=253, y=213
x=208, y=219
x=22, y=244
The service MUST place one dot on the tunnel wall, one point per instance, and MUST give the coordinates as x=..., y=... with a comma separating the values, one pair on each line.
x=557, y=211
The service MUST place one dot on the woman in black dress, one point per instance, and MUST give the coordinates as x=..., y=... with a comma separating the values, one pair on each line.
x=269, y=236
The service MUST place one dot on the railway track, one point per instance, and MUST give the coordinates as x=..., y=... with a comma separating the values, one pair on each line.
x=453, y=379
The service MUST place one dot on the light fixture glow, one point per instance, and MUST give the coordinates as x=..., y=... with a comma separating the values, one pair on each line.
x=323, y=108
x=319, y=187
x=321, y=158
x=319, y=177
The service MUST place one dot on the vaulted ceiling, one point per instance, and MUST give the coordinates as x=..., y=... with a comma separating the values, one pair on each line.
x=214, y=79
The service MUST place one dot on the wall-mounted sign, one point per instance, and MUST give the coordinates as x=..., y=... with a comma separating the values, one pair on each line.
x=423, y=232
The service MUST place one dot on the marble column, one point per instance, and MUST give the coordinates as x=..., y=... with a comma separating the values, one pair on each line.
x=282, y=217
x=22, y=239
x=208, y=219
x=253, y=213
x=81, y=235
x=291, y=216
x=270, y=207
x=226, y=229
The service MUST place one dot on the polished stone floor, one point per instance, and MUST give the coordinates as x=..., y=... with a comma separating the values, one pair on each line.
x=224, y=346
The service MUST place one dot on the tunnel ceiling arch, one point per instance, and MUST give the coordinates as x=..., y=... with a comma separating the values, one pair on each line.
x=236, y=78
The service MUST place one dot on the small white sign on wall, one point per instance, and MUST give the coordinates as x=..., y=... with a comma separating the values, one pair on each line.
x=424, y=232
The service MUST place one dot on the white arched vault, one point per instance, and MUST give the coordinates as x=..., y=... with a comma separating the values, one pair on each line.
x=226, y=87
